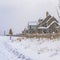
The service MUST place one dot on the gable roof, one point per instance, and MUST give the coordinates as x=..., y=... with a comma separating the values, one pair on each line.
x=45, y=20
x=49, y=19
x=48, y=25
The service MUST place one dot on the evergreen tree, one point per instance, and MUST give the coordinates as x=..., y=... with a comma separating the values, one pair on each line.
x=10, y=32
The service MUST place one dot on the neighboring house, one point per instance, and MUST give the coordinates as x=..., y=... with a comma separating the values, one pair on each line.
x=48, y=25
x=32, y=27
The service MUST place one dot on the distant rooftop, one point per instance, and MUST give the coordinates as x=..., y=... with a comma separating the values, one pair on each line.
x=32, y=23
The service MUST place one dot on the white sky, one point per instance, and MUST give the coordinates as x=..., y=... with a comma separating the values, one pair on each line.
x=15, y=14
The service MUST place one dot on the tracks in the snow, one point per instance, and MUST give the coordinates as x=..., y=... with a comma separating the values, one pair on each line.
x=15, y=52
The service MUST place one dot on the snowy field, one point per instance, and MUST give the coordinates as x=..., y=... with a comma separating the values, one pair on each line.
x=29, y=49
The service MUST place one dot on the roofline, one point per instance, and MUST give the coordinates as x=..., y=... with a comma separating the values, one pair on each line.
x=47, y=26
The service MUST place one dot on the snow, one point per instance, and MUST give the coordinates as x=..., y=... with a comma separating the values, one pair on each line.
x=32, y=23
x=29, y=48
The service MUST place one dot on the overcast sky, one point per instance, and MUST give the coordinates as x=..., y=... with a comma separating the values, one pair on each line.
x=15, y=14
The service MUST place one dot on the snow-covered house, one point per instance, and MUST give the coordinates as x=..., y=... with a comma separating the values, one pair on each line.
x=32, y=27
x=49, y=25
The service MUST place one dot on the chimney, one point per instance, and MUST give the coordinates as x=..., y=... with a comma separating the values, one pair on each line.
x=47, y=13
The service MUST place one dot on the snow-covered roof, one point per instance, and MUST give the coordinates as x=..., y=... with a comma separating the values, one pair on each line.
x=42, y=27
x=47, y=26
x=49, y=19
x=32, y=23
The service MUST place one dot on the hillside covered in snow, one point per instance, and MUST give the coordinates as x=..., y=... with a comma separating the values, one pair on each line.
x=19, y=48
